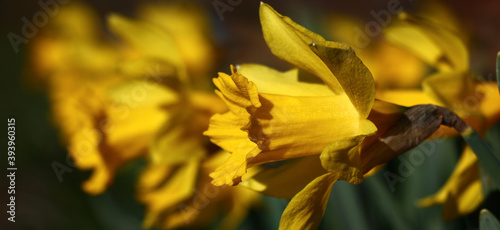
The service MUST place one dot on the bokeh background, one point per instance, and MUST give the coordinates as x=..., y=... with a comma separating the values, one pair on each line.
x=43, y=202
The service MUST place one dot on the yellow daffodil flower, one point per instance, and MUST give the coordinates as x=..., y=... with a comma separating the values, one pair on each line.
x=254, y=103
x=452, y=87
x=317, y=133
x=115, y=102
x=104, y=121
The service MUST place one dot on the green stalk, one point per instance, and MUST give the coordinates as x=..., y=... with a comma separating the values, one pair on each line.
x=487, y=158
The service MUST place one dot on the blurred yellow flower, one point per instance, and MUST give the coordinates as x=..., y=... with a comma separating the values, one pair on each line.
x=71, y=41
x=406, y=70
x=189, y=26
x=462, y=193
x=453, y=87
x=104, y=120
x=174, y=186
x=144, y=97
x=188, y=199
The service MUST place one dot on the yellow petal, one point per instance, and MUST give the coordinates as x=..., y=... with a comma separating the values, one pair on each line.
x=149, y=69
x=408, y=97
x=286, y=180
x=334, y=63
x=342, y=159
x=208, y=203
x=71, y=41
x=105, y=131
x=125, y=139
x=287, y=83
x=226, y=208
x=291, y=42
x=154, y=175
x=76, y=21
x=84, y=147
x=148, y=39
x=180, y=139
x=406, y=71
x=465, y=202
x=224, y=130
x=207, y=103
x=135, y=116
x=415, y=41
x=179, y=187
x=238, y=200
x=79, y=117
x=306, y=209
x=355, y=79
x=237, y=92
x=130, y=135
x=435, y=44
x=489, y=105
x=462, y=193
x=189, y=26
x=141, y=93
x=442, y=14
x=234, y=168
x=99, y=180
x=450, y=89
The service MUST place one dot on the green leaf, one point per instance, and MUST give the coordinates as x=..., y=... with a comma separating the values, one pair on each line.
x=387, y=203
x=487, y=158
x=273, y=208
x=345, y=197
x=427, y=175
x=492, y=136
x=488, y=221
x=488, y=185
